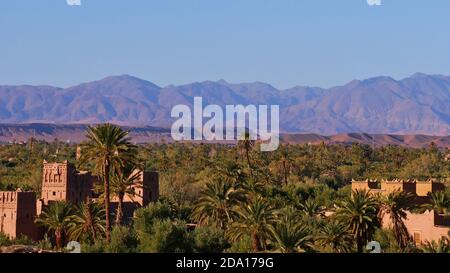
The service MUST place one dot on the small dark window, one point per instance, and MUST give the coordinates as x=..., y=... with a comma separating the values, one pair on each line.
x=54, y=193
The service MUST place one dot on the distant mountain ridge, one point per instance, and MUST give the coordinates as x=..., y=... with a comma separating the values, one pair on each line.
x=419, y=104
x=76, y=133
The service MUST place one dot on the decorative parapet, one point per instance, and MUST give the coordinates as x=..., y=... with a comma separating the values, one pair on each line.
x=416, y=187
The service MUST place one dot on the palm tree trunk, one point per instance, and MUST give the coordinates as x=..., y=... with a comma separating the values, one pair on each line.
x=119, y=211
x=106, y=186
x=256, y=242
x=359, y=244
x=247, y=154
x=58, y=239
x=91, y=224
x=285, y=172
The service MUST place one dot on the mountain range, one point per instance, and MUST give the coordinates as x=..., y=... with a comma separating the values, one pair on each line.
x=76, y=133
x=419, y=104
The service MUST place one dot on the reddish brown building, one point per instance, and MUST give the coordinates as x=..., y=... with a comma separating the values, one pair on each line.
x=422, y=227
x=17, y=214
x=62, y=182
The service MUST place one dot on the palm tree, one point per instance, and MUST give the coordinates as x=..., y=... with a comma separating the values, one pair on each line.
x=216, y=203
x=107, y=149
x=56, y=218
x=232, y=172
x=442, y=246
x=88, y=222
x=395, y=205
x=289, y=234
x=336, y=236
x=286, y=164
x=247, y=144
x=440, y=202
x=253, y=187
x=254, y=219
x=124, y=183
x=360, y=212
x=311, y=208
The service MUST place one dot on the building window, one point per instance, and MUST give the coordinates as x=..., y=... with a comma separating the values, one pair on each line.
x=54, y=193
x=417, y=238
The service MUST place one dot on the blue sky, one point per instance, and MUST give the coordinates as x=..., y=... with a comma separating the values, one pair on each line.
x=282, y=42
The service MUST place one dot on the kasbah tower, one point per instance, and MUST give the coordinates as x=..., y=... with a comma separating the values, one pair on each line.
x=62, y=182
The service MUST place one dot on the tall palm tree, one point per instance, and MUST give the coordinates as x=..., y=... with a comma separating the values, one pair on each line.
x=254, y=219
x=395, y=205
x=440, y=202
x=56, y=218
x=246, y=144
x=336, y=236
x=286, y=164
x=216, y=203
x=360, y=212
x=107, y=148
x=88, y=223
x=124, y=183
x=289, y=234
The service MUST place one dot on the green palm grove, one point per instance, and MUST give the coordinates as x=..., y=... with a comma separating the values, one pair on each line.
x=220, y=198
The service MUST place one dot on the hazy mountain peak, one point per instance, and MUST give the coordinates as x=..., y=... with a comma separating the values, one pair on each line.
x=378, y=79
x=420, y=75
x=124, y=79
x=222, y=81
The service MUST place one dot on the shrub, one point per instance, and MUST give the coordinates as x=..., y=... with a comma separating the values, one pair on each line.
x=243, y=245
x=209, y=239
x=4, y=240
x=144, y=217
x=123, y=240
x=166, y=237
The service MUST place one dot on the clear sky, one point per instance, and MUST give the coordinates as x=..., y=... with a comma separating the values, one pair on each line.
x=282, y=42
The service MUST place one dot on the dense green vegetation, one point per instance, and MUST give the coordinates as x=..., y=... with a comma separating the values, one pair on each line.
x=240, y=199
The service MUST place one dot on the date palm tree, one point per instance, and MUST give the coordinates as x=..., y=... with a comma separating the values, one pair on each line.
x=88, y=223
x=311, y=208
x=232, y=172
x=286, y=164
x=254, y=219
x=216, y=203
x=336, y=236
x=289, y=234
x=246, y=144
x=124, y=183
x=395, y=205
x=442, y=246
x=359, y=212
x=57, y=218
x=440, y=202
x=107, y=149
